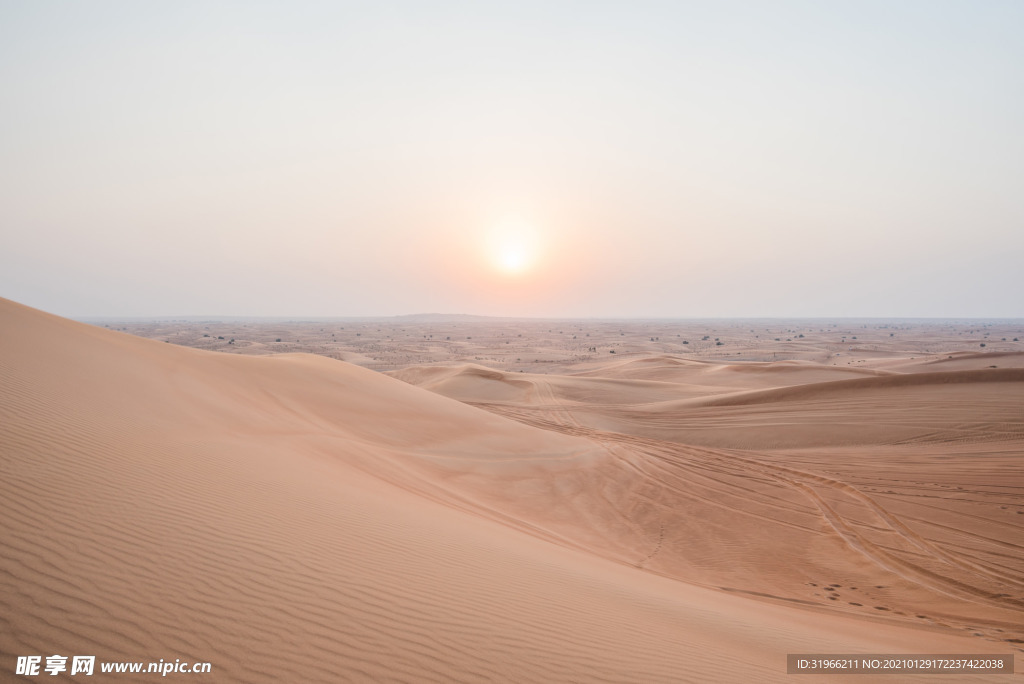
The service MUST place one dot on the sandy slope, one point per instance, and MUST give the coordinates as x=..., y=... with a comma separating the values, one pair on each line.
x=892, y=493
x=294, y=518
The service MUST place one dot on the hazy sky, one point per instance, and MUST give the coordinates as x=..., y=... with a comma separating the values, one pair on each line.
x=530, y=159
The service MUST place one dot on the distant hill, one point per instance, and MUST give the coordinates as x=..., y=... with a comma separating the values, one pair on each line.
x=442, y=318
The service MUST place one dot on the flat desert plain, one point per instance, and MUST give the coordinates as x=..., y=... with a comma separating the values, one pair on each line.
x=457, y=499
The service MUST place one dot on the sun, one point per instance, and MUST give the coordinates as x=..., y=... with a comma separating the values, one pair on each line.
x=513, y=246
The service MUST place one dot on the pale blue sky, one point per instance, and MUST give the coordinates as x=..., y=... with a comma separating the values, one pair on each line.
x=673, y=159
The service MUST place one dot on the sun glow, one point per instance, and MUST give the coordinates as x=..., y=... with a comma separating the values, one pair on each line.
x=513, y=246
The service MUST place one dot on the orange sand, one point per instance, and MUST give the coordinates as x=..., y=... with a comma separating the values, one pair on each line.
x=296, y=518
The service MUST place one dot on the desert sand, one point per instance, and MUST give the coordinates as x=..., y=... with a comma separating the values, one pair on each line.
x=509, y=501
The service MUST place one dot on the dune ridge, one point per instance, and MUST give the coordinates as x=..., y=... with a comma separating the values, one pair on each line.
x=825, y=389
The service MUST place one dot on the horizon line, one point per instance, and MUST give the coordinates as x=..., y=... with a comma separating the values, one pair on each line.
x=425, y=317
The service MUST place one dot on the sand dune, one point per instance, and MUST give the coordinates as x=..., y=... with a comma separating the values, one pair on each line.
x=295, y=518
x=473, y=383
x=962, y=361
x=717, y=374
x=844, y=388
